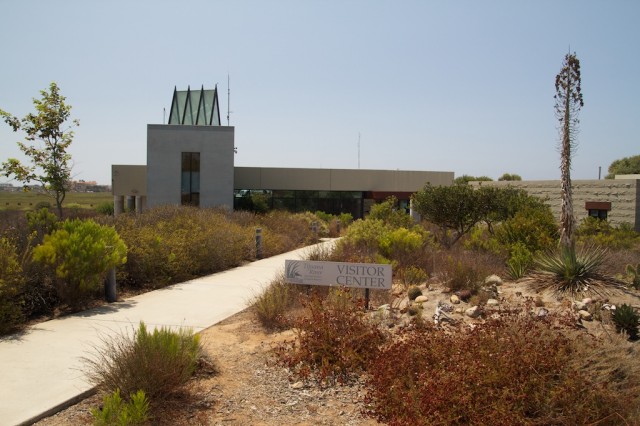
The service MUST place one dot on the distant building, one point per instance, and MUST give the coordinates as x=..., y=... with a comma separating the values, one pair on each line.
x=616, y=200
x=190, y=161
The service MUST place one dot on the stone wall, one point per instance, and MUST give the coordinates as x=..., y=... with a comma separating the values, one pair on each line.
x=623, y=194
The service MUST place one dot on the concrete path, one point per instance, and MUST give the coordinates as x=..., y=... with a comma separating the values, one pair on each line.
x=40, y=369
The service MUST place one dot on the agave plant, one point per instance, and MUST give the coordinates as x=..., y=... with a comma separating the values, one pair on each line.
x=626, y=319
x=567, y=271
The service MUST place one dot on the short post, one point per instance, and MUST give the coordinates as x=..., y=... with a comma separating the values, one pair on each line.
x=258, y=243
x=314, y=229
x=366, y=299
x=338, y=224
x=110, y=292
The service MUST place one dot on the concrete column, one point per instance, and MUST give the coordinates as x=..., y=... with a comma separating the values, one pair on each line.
x=118, y=205
x=141, y=203
x=131, y=203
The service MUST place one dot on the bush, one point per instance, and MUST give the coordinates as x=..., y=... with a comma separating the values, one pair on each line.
x=106, y=208
x=81, y=253
x=271, y=305
x=390, y=215
x=413, y=275
x=626, y=319
x=334, y=341
x=633, y=273
x=513, y=371
x=593, y=231
x=11, y=288
x=115, y=411
x=413, y=292
x=519, y=262
x=157, y=363
x=459, y=274
x=362, y=240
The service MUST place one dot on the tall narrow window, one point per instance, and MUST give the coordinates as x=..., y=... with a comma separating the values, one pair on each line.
x=190, y=187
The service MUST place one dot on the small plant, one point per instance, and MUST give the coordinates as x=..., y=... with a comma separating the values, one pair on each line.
x=116, y=412
x=271, y=305
x=626, y=319
x=633, y=273
x=157, y=362
x=519, y=262
x=413, y=275
x=11, y=287
x=414, y=292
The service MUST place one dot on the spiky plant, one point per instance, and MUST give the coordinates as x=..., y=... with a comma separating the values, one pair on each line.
x=571, y=272
x=626, y=319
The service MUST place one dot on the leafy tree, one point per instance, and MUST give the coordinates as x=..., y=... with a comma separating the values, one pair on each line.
x=49, y=163
x=624, y=166
x=81, y=252
x=388, y=212
x=468, y=178
x=568, y=103
x=510, y=177
x=455, y=209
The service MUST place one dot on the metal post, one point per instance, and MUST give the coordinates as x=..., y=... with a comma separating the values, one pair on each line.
x=110, y=291
x=314, y=229
x=258, y=243
x=366, y=299
x=338, y=225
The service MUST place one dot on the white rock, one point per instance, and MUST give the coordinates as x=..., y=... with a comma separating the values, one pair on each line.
x=454, y=299
x=493, y=279
x=421, y=299
x=585, y=315
x=473, y=312
x=587, y=300
x=542, y=312
x=297, y=385
x=459, y=311
x=492, y=302
x=579, y=306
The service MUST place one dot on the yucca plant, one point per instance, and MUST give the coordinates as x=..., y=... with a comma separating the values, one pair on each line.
x=626, y=319
x=567, y=271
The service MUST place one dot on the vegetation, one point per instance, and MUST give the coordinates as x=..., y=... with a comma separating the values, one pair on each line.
x=626, y=319
x=81, y=252
x=156, y=362
x=273, y=303
x=624, y=166
x=593, y=231
x=116, y=411
x=509, y=177
x=11, y=287
x=50, y=163
x=33, y=200
x=464, y=179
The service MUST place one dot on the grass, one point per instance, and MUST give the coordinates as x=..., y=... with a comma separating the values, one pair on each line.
x=28, y=200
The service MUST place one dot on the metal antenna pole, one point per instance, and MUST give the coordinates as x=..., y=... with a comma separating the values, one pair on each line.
x=228, y=99
x=358, y=150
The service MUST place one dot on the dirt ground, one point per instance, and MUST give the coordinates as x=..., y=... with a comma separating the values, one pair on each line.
x=248, y=389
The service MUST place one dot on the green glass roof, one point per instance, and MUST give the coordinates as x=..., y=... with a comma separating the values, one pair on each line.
x=195, y=108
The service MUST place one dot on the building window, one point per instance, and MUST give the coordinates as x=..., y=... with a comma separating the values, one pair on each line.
x=190, y=185
x=598, y=209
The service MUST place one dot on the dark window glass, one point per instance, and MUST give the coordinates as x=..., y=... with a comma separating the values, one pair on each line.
x=190, y=179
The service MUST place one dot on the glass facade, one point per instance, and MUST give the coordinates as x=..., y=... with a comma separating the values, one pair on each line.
x=333, y=202
x=190, y=180
x=195, y=108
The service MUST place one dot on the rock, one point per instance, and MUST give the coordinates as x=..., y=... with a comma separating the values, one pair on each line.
x=579, y=306
x=585, y=315
x=421, y=299
x=459, y=311
x=492, y=302
x=297, y=385
x=493, y=279
x=542, y=312
x=464, y=295
x=587, y=300
x=473, y=312
x=454, y=299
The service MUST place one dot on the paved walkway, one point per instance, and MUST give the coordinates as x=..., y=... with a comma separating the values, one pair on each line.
x=40, y=369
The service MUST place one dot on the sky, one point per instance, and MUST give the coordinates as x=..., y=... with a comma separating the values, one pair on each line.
x=460, y=86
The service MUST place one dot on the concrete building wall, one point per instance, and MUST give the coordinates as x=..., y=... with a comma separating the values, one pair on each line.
x=128, y=180
x=337, y=179
x=165, y=145
x=623, y=194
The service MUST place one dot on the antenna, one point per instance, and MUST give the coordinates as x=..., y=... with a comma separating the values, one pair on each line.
x=358, y=150
x=164, y=115
x=228, y=98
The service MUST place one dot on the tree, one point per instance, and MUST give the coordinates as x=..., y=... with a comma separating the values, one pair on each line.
x=50, y=162
x=468, y=178
x=624, y=166
x=568, y=103
x=509, y=177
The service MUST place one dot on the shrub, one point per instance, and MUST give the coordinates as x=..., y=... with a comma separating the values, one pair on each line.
x=271, y=305
x=11, y=287
x=81, y=253
x=514, y=371
x=106, y=208
x=414, y=292
x=519, y=262
x=334, y=342
x=412, y=275
x=362, y=240
x=41, y=222
x=533, y=228
x=633, y=273
x=626, y=319
x=115, y=411
x=158, y=362
x=459, y=274
x=593, y=231
x=403, y=245
x=390, y=215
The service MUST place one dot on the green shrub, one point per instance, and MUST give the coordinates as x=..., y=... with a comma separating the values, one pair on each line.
x=403, y=245
x=534, y=228
x=520, y=261
x=593, y=231
x=106, y=208
x=413, y=275
x=413, y=292
x=626, y=319
x=512, y=371
x=633, y=273
x=158, y=362
x=81, y=252
x=362, y=240
x=390, y=214
x=41, y=222
x=460, y=274
x=11, y=288
x=334, y=342
x=272, y=304
x=116, y=412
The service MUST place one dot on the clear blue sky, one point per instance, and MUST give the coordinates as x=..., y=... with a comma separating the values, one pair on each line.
x=462, y=86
